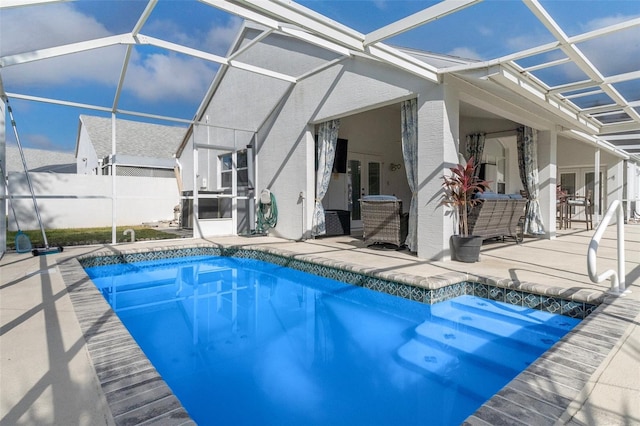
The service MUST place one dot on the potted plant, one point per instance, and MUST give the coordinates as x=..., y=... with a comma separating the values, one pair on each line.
x=459, y=189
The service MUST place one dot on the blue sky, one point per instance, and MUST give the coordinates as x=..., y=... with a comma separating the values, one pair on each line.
x=169, y=84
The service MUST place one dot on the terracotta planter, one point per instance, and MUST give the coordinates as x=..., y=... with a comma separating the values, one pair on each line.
x=466, y=249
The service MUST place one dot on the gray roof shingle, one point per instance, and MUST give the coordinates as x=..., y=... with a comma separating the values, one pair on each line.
x=133, y=137
x=40, y=160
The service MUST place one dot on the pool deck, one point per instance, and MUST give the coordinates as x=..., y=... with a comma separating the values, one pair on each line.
x=48, y=375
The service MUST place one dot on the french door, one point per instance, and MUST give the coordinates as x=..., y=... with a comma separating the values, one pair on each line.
x=364, y=174
x=580, y=180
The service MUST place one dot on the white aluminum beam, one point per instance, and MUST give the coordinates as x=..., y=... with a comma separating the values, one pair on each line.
x=242, y=12
x=619, y=78
x=123, y=73
x=403, y=61
x=504, y=59
x=251, y=43
x=143, y=39
x=310, y=38
x=5, y=4
x=618, y=128
x=258, y=70
x=622, y=137
x=518, y=84
x=570, y=87
x=605, y=31
x=37, y=55
x=547, y=65
x=602, y=109
x=425, y=16
x=317, y=24
x=598, y=91
x=625, y=147
x=144, y=17
x=57, y=102
x=95, y=108
x=320, y=68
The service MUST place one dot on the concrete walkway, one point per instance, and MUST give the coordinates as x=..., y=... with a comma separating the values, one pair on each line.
x=48, y=377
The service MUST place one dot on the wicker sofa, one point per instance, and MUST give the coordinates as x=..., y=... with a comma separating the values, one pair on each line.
x=498, y=216
x=383, y=220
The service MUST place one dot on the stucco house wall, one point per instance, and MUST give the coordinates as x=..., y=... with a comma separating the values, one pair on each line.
x=86, y=156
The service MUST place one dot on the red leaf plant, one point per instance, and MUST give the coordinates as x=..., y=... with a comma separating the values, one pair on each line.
x=459, y=190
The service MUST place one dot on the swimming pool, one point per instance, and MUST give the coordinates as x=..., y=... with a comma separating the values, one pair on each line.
x=241, y=341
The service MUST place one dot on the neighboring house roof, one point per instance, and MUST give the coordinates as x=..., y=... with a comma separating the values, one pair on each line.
x=132, y=137
x=40, y=160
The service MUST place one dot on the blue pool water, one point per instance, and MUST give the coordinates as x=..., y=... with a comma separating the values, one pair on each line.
x=243, y=342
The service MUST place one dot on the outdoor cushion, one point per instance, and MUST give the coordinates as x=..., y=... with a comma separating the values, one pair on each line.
x=379, y=198
x=489, y=195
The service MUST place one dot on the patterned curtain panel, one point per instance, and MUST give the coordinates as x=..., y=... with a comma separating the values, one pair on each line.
x=327, y=140
x=409, y=119
x=528, y=164
x=475, y=148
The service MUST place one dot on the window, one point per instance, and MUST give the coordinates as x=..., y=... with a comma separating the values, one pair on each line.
x=226, y=170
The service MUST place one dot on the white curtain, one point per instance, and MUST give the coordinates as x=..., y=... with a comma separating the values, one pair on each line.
x=409, y=120
x=326, y=152
x=528, y=165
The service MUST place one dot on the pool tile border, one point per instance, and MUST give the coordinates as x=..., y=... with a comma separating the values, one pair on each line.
x=576, y=304
x=552, y=389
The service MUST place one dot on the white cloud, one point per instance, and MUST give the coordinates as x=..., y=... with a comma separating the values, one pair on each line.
x=25, y=28
x=216, y=40
x=164, y=77
x=380, y=4
x=100, y=66
x=40, y=141
x=485, y=31
x=56, y=25
x=219, y=38
x=606, y=21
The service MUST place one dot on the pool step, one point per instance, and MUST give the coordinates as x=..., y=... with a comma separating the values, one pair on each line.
x=558, y=324
x=450, y=368
x=495, y=326
x=493, y=352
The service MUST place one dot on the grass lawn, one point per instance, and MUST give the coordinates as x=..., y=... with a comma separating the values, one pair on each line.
x=84, y=236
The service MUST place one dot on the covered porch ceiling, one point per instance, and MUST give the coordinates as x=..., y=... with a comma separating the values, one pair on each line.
x=585, y=75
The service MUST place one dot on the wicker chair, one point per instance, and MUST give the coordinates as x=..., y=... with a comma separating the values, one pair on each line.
x=383, y=221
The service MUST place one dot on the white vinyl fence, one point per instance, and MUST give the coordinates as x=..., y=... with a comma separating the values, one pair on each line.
x=85, y=201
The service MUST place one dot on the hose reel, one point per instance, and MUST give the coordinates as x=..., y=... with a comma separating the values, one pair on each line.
x=267, y=212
